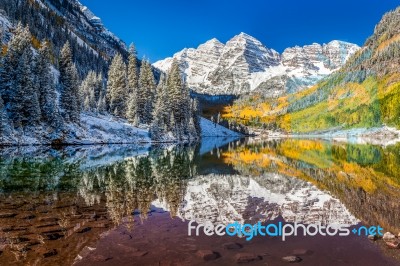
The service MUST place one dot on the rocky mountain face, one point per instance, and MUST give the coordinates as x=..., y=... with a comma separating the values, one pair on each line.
x=244, y=65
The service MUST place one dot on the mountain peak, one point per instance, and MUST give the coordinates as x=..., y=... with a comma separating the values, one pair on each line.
x=212, y=42
x=244, y=36
x=244, y=64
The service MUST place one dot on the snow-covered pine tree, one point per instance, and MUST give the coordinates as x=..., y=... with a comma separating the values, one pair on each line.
x=4, y=123
x=133, y=84
x=195, y=119
x=19, y=42
x=46, y=87
x=117, y=86
x=146, y=93
x=161, y=114
x=25, y=102
x=88, y=90
x=179, y=101
x=69, y=86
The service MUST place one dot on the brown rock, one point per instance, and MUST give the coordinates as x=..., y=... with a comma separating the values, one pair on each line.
x=232, y=245
x=84, y=230
x=246, y=257
x=207, y=255
x=50, y=253
x=291, y=259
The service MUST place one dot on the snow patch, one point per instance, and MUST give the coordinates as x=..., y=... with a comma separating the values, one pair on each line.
x=210, y=129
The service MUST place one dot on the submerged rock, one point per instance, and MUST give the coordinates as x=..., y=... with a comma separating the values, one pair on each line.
x=207, y=255
x=246, y=257
x=232, y=245
x=292, y=259
x=388, y=236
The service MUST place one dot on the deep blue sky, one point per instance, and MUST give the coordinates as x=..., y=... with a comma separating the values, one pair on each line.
x=160, y=28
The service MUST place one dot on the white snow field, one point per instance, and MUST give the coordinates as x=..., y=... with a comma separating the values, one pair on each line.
x=210, y=129
x=102, y=129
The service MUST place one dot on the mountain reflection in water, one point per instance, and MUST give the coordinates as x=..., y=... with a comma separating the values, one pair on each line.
x=56, y=202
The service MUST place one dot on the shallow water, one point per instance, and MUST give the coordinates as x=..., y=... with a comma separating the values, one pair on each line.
x=121, y=204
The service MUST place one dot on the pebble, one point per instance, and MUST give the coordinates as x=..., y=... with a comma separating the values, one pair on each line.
x=291, y=259
x=207, y=255
x=246, y=257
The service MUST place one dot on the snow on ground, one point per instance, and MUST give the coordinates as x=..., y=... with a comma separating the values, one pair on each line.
x=210, y=129
x=106, y=129
x=101, y=129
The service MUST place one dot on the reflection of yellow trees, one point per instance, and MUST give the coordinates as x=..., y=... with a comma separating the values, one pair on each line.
x=364, y=177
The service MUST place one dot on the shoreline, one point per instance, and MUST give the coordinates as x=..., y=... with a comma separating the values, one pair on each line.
x=382, y=136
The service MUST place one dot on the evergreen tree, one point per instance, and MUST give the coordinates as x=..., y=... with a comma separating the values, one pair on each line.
x=146, y=93
x=4, y=123
x=161, y=116
x=90, y=91
x=25, y=102
x=19, y=42
x=117, y=86
x=46, y=87
x=179, y=101
x=133, y=84
x=69, y=85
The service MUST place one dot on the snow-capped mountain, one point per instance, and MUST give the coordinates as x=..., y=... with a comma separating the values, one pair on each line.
x=228, y=198
x=244, y=64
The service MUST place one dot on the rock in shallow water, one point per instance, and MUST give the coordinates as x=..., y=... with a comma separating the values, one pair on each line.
x=207, y=255
x=388, y=236
x=246, y=257
x=291, y=259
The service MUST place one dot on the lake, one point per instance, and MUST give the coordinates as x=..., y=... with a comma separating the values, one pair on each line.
x=122, y=204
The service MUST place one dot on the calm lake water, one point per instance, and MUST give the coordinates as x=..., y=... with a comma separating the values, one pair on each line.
x=120, y=204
